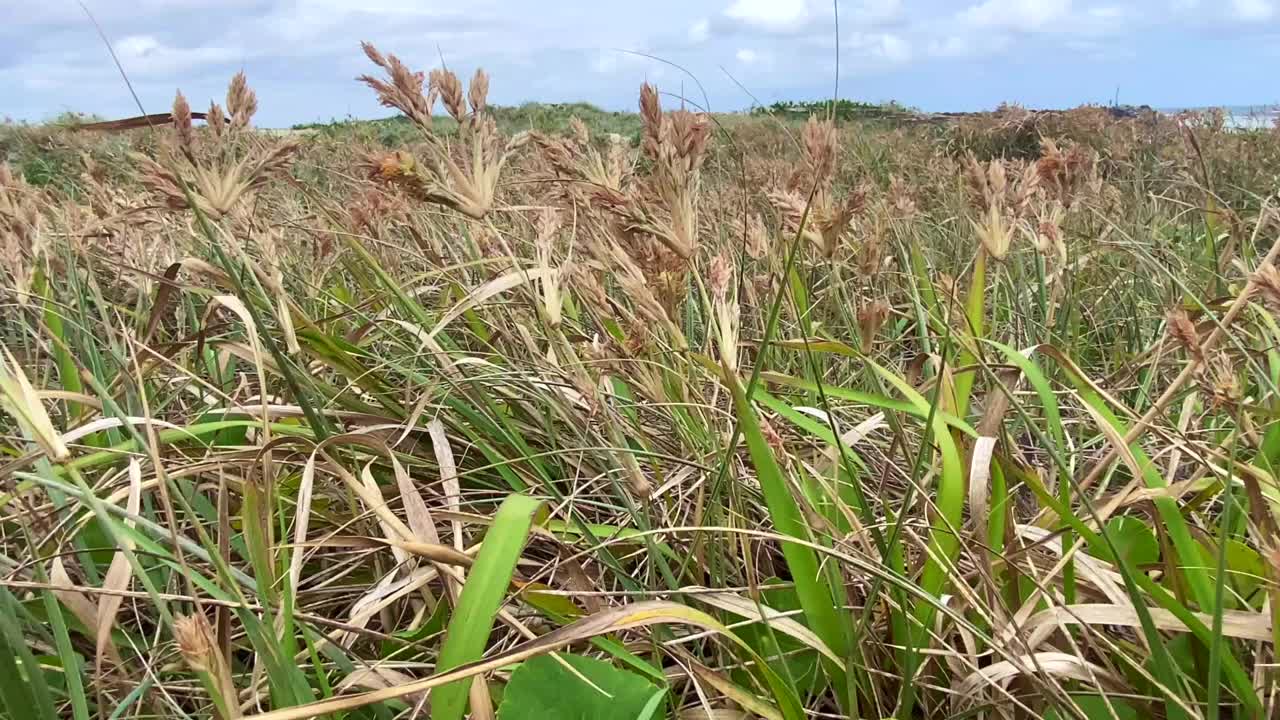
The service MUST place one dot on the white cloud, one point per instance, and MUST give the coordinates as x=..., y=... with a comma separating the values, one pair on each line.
x=606, y=63
x=961, y=46
x=951, y=46
x=700, y=31
x=1107, y=12
x=146, y=55
x=1253, y=10
x=884, y=47
x=136, y=46
x=1025, y=15
x=746, y=56
x=773, y=15
x=876, y=12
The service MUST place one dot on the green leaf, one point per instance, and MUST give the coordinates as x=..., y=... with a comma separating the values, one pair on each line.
x=480, y=599
x=22, y=683
x=1245, y=567
x=1095, y=707
x=797, y=661
x=544, y=688
x=1133, y=539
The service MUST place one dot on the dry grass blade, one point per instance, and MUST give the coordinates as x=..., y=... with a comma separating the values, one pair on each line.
x=1060, y=666
x=20, y=399
x=732, y=691
x=1250, y=626
x=488, y=291
x=118, y=573
x=377, y=678
x=979, y=482
x=77, y=602
x=776, y=620
x=448, y=475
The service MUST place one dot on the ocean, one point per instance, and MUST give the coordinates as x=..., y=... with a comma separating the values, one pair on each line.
x=1245, y=117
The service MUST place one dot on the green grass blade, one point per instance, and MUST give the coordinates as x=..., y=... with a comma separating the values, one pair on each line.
x=480, y=599
x=817, y=598
x=22, y=681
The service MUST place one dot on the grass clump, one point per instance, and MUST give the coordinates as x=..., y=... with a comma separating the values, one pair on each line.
x=718, y=417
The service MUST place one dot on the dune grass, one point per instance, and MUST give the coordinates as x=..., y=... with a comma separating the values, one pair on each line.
x=680, y=415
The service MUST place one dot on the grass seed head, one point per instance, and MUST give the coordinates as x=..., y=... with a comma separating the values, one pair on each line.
x=478, y=92
x=1266, y=280
x=22, y=239
x=871, y=317
x=215, y=121
x=450, y=88
x=403, y=88
x=821, y=146
x=1184, y=332
x=182, y=127
x=242, y=103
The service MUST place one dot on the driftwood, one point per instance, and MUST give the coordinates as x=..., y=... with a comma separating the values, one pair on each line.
x=133, y=123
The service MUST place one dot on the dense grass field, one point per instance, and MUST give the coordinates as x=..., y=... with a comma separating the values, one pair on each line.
x=551, y=412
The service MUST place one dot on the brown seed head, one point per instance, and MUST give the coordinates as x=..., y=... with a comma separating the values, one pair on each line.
x=690, y=131
x=997, y=182
x=1183, y=330
x=651, y=118
x=404, y=91
x=182, y=124
x=871, y=317
x=1266, y=280
x=1222, y=382
x=902, y=205
x=719, y=275
x=242, y=103
x=821, y=148
x=774, y=439
x=195, y=641
x=755, y=235
x=215, y=120
x=478, y=91
x=976, y=178
x=372, y=53
x=578, y=131
x=450, y=89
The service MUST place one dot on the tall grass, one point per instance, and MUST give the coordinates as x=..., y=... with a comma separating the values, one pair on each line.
x=769, y=418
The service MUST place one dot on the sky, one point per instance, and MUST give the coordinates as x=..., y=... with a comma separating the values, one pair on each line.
x=302, y=56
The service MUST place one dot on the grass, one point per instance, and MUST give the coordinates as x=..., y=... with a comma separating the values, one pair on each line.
x=739, y=415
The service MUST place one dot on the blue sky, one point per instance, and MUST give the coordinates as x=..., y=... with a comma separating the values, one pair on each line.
x=302, y=55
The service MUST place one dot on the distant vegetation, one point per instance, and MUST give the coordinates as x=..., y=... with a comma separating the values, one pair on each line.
x=543, y=117
x=840, y=109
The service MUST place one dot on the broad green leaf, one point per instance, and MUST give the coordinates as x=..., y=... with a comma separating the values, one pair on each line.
x=543, y=688
x=1133, y=539
x=1095, y=707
